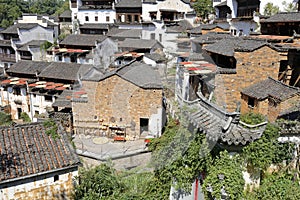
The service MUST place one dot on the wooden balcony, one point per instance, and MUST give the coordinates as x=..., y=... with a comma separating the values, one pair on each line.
x=7, y=57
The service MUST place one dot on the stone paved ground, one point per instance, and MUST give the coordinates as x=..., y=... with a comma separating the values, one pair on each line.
x=124, y=155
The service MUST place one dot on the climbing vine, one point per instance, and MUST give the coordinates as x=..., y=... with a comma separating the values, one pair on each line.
x=224, y=178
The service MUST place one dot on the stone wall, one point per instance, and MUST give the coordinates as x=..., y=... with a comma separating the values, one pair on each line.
x=117, y=102
x=252, y=67
x=276, y=109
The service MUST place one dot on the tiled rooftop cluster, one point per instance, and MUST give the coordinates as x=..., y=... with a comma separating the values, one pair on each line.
x=27, y=150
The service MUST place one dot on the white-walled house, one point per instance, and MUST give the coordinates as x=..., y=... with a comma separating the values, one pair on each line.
x=86, y=12
x=42, y=167
x=32, y=87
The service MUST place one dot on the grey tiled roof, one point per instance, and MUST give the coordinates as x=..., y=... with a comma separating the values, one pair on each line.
x=156, y=57
x=66, y=14
x=270, y=87
x=32, y=43
x=28, y=67
x=284, y=17
x=138, y=43
x=14, y=28
x=63, y=100
x=227, y=47
x=27, y=150
x=213, y=122
x=178, y=27
x=125, y=33
x=137, y=73
x=64, y=71
x=211, y=37
x=212, y=26
x=149, y=1
x=82, y=40
x=129, y=4
x=289, y=127
x=141, y=75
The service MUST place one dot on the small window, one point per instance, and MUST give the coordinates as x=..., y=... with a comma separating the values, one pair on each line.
x=96, y=18
x=160, y=37
x=107, y=18
x=86, y=18
x=48, y=98
x=251, y=102
x=17, y=91
x=152, y=36
x=56, y=178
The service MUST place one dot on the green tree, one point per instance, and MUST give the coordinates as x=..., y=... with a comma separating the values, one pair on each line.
x=5, y=119
x=100, y=182
x=289, y=7
x=261, y=153
x=270, y=9
x=203, y=8
x=277, y=186
x=224, y=178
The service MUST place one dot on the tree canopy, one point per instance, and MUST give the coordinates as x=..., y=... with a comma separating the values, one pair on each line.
x=11, y=10
x=270, y=9
x=203, y=8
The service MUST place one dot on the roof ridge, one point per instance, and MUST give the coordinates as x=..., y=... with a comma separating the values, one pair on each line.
x=279, y=82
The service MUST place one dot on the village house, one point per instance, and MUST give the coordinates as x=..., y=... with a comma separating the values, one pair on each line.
x=140, y=46
x=19, y=36
x=125, y=103
x=34, y=165
x=128, y=11
x=270, y=98
x=75, y=48
x=92, y=11
x=32, y=87
x=285, y=24
x=65, y=22
x=236, y=60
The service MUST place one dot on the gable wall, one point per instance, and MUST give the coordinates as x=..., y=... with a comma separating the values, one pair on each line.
x=251, y=67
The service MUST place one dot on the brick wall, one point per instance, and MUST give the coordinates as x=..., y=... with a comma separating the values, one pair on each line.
x=115, y=101
x=252, y=67
x=259, y=106
x=273, y=111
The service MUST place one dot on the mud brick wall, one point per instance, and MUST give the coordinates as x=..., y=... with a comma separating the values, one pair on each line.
x=252, y=67
x=115, y=101
x=120, y=102
x=275, y=111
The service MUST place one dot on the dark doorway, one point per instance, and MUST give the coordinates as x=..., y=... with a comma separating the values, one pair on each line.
x=144, y=125
x=19, y=112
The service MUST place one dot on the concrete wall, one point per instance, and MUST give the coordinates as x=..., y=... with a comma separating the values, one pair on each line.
x=146, y=9
x=41, y=187
x=101, y=14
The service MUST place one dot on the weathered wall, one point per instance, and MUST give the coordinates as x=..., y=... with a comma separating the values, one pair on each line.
x=41, y=187
x=84, y=113
x=123, y=103
x=251, y=67
x=275, y=110
x=115, y=101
